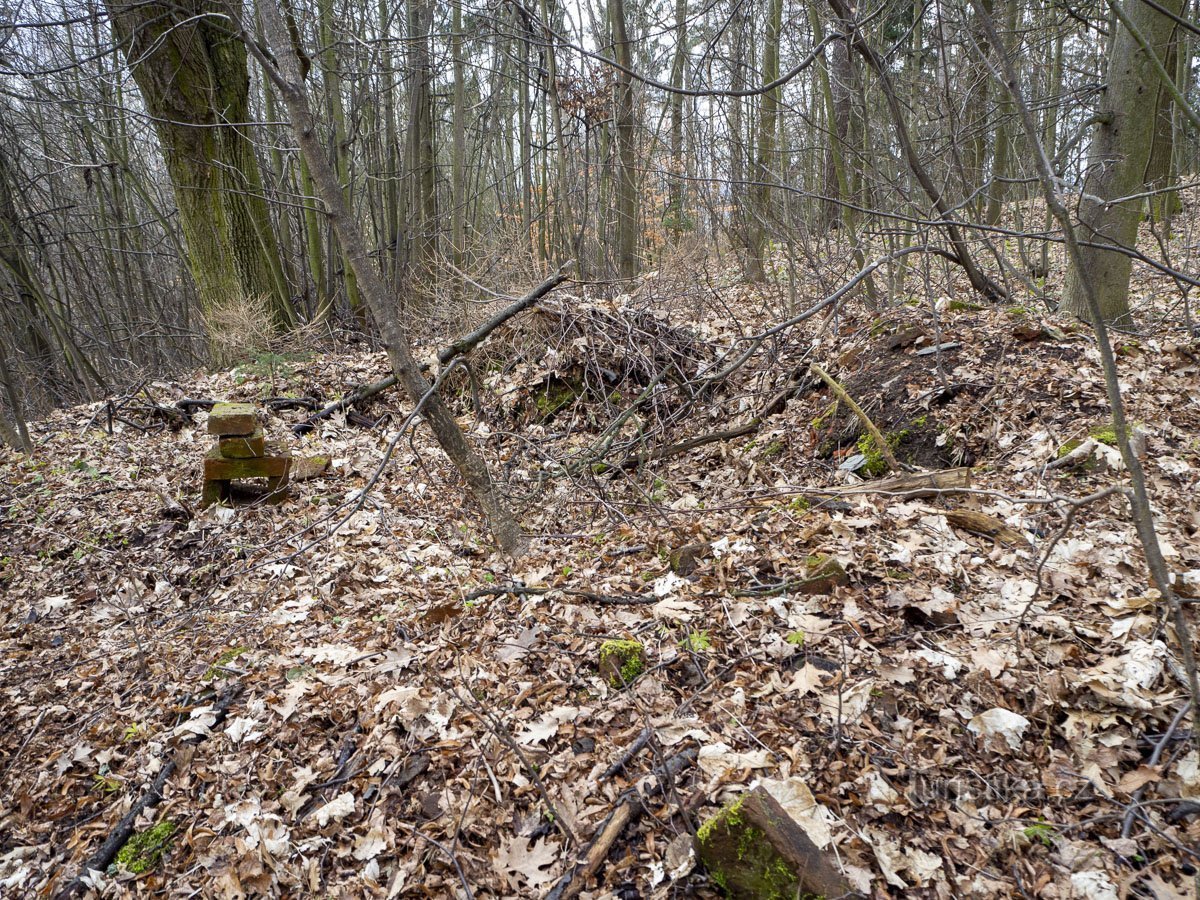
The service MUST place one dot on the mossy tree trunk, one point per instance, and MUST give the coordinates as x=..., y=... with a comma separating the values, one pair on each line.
x=192, y=74
x=1118, y=162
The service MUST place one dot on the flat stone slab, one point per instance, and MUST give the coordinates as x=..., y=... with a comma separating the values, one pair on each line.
x=222, y=468
x=232, y=419
x=244, y=446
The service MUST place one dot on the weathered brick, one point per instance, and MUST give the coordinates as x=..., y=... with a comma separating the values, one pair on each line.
x=221, y=468
x=232, y=418
x=244, y=446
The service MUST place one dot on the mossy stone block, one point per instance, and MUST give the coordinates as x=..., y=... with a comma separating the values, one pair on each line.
x=232, y=418
x=621, y=662
x=754, y=850
x=244, y=446
x=221, y=468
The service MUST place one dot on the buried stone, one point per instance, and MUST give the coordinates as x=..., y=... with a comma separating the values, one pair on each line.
x=754, y=850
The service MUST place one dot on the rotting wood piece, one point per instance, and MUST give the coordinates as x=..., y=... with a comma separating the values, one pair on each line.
x=918, y=484
x=822, y=575
x=987, y=526
x=232, y=418
x=244, y=446
x=754, y=850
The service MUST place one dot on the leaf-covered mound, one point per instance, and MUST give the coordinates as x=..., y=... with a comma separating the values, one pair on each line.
x=953, y=716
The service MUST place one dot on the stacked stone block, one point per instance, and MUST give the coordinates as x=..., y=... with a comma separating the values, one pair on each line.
x=242, y=452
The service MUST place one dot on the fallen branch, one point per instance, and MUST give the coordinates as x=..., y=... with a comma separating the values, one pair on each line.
x=639, y=744
x=462, y=345
x=881, y=443
x=350, y=399
x=123, y=830
x=469, y=342
x=629, y=808
x=918, y=484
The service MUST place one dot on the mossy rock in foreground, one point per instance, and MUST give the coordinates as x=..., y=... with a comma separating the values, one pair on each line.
x=754, y=850
x=143, y=851
x=621, y=662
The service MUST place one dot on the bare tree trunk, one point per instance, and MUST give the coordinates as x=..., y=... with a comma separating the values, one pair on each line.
x=1117, y=163
x=627, y=200
x=285, y=73
x=764, y=169
x=962, y=254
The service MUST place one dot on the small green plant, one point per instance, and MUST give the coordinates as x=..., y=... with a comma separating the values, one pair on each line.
x=1042, y=833
x=697, y=642
x=223, y=660
x=658, y=490
x=86, y=468
x=134, y=731
x=106, y=784
x=795, y=638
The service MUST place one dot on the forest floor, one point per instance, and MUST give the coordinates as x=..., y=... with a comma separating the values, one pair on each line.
x=392, y=709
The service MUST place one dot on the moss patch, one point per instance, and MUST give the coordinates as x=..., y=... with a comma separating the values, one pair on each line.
x=143, y=851
x=761, y=871
x=621, y=662
x=223, y=660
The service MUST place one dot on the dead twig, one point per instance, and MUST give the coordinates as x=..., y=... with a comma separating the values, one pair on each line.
x=629, y=808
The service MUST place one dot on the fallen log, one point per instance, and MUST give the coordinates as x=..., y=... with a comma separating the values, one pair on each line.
x=986, y=526
x=355, y=396
x=917, y=484
x=629, y=808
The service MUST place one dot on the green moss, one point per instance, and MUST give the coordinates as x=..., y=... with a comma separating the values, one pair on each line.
x=762, y=872
x=223, y=660
x=963, y=306
x=142, y=851
x=800, y=504
x=556, y=395
x=823, y=419
x=1017, y=312
x=1068, y=447
x=880, y=326
x=772, y=449
x=626, y=660
x=876, y=463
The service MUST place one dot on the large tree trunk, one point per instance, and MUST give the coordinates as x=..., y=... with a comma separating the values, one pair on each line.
x=194, y=81
x=627, y=199
x=762, y=213
x=285, y=72
x=1118, y=161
